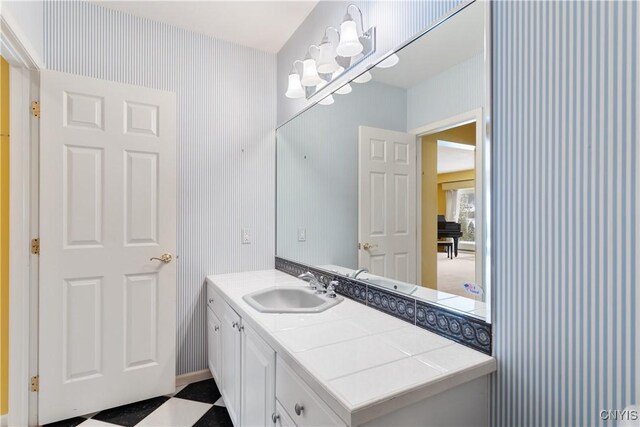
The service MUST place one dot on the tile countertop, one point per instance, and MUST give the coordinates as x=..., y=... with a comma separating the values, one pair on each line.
x=362, y=362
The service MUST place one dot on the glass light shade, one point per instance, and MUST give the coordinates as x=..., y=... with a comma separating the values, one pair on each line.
x=327, y=101
x=327, y=59
x=295, y=89
x=349, y=42
x=344, y=89
x=389, y=62
x=363, y=78
x=310, y=75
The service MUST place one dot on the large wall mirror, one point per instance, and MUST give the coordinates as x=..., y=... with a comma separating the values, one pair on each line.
x=387, y=179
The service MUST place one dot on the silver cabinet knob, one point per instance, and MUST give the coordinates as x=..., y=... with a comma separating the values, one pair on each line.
x=298, y=408
x=216, y=328
x=240, y=328
x=275, y=417
x=210, y=300
x=234, y=324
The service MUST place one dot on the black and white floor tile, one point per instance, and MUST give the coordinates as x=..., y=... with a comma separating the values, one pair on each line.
x=198, y=404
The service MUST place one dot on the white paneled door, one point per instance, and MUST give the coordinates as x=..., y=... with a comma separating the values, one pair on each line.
x=387, y=203
x=107, y=311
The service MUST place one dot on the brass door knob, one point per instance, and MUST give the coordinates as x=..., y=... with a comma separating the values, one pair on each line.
x=166, y=258
x=367, y=246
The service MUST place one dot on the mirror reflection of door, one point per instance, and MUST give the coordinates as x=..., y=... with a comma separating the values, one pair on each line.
x=387, y=203
x=448, y=209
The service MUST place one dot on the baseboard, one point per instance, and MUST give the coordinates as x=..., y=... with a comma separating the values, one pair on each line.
x=193, y=377
x=3, y=420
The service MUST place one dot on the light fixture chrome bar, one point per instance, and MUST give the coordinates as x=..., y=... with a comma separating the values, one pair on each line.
x=368, y=40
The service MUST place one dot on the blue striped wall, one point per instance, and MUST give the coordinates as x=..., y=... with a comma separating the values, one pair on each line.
x=565, y=162
x=226, y=150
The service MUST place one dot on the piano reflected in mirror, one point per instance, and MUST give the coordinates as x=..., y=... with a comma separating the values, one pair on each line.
x=449, y=229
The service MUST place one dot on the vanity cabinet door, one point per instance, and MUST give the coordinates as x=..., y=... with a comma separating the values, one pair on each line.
x=258, y=380
x=230, y=345
x=213, y=344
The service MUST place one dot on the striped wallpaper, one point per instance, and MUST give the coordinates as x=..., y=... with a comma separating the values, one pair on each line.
x=226, y=150
x=566, y=211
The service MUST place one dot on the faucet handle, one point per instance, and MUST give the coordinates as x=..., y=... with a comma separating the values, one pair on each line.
x=331, y=289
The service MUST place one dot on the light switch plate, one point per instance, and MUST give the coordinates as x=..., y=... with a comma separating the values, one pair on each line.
x=246, y=236
x=302, y=234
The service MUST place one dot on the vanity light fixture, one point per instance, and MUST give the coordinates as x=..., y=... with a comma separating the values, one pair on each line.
x=327, y=56
x=363, y=78
x=349, y=40
x=389, y=61
x=334, y=55
x=294, y=89
x=310, y=75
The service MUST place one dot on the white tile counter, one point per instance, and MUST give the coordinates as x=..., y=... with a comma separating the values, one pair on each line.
x=361, y=362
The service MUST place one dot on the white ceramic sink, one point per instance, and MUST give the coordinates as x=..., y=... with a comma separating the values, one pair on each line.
x=290, y=300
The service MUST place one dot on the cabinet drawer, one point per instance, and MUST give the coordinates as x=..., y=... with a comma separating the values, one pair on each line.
x=292, y=392
x=214, y=300
x=283, y=418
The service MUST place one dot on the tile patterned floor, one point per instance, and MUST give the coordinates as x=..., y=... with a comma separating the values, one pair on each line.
x=198, y=404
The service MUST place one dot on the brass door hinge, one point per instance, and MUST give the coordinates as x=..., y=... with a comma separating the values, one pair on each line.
x=35, y=108
x=35, y=383
x=35, y=246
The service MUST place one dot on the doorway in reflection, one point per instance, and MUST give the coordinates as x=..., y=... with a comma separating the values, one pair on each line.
x=448, y=261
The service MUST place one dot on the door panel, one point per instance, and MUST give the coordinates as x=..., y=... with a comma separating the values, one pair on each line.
x=83, y=194
x=387, y=203
x=107, y=205
x=82, y=336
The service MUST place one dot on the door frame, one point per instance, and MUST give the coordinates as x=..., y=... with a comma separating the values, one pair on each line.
x=481, y=177
x=23, y=210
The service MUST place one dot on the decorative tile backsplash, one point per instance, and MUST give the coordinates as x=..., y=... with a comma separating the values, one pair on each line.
x=461, y=328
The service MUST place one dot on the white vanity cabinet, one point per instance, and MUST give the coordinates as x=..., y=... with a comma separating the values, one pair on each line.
x=243, y=365
x=265, y=382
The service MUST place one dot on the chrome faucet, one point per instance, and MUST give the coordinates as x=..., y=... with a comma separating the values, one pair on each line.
x=311, y=278
x=357, y=272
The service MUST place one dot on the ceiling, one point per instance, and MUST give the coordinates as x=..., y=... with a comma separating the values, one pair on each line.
x=264, y=25
x=455, y=40
x=455, y=157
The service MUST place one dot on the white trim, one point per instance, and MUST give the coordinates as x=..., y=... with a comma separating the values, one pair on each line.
x=15, y=47
x=20, y=54
x=19, y=241
x=193, y=377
